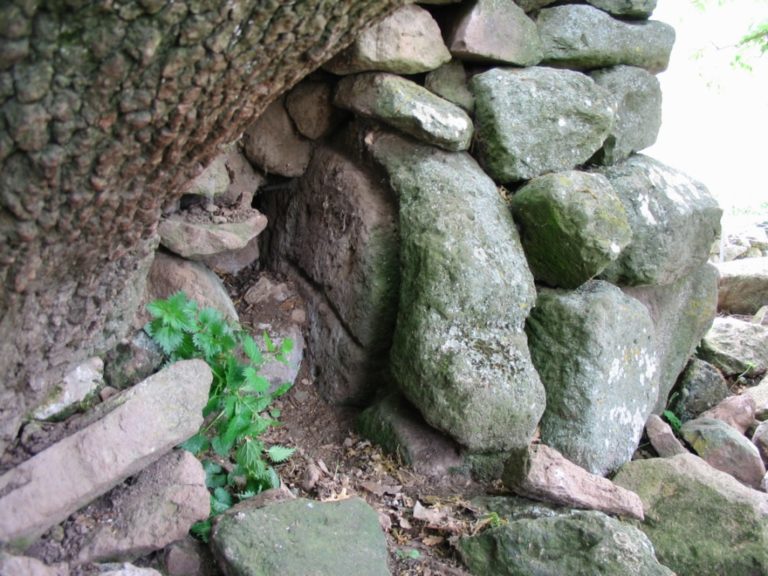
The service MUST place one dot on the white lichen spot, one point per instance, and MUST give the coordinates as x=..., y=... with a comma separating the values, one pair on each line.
x=615, y=248
x=645, y=209
x=561, y=122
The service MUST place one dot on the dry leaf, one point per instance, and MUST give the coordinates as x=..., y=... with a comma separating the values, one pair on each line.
x=404, y=524
x=428, y=515
x=433, y=540
x=380, y=489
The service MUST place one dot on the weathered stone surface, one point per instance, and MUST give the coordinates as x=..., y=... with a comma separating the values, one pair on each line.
x=279, y=373
x=310, y=105
x=24, y=566
x=636, y=97
x=662, y=437
x=725, y=448
x=743, y=285
x=170, y=274
x=555, y=543
x=494, y=31
x=583, y=37
x=682, y=313
x=759, y=394
x=408, y=41
x=700, y=520
x=338, y=231
x=399, y=428
x=701, y=387
x=77, y=385
x=542, y=473
x=155, y=510
x=132, y=360
x=311, y=538
x=626, y=8
x=760, y=439
x=531, y=5
x=408, y=107
x=459, y=353
x=126, y=569
x=244, y=180
x=736, y=347
x=601, y=375
x=537, y=120
x=736, y=411
x=188, y=557
x=450, y=82
x=195, y=241
x=213, y=181
x=572, y=226
x=147, y=421
x=271, y=143
x=674, y=220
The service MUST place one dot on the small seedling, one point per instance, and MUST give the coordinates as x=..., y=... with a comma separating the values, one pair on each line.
x=238, y=412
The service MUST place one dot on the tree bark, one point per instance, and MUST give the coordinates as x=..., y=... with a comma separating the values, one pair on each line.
x=106, y=108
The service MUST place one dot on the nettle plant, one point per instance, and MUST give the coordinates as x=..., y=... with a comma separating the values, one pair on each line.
x=237, y=463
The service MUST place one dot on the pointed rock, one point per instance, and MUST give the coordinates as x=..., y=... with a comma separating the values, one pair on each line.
x=662, y=438
x=701, y=387
x=542, y=473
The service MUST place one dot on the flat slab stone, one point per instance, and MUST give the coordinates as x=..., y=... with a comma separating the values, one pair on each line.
x=542, y=473
x=583, y=37
x=408, y=107
x=536, y=120
x=724, y=523
x=301, y=537
x=572, y=226
x=743, y=287
x=147, y=421
x=459, y=352
x=674, y=220
x=495, y=31
x=408, y=41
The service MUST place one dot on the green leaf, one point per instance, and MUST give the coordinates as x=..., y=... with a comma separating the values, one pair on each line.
x=196, y=444
x=268, y=344
x=220, y=446
x=281, y=390
x=221, y=501
x=252, y=350
x=215, y=477
x=254, y=382
x=280, y=453
x=167, y=337
x=235, y=427
x=673, y=420
x=202, y=530
x=249, y=457
x=176, y=311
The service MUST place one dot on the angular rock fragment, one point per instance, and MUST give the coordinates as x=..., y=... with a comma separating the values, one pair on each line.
x=147, y=421
x=682, y=313
x=537, y=120
x=759, y=394
x=310, y=105
x=636, y=95
x=542, y=473
x=244, y=180
x=211, y=182
x=600, y=374
x=724, y=522
x=701, y=387
x=736, y=347
x=674, y=220
x=572, y=226
x=460, y=354
x=450, y=82
x=495, y=31
x=626, y=8
x=132, y=360
x=583, y=37
x=736, y=411
x=726, y=449
x=662, y=438
x=406, y=106
x=743, y=287
x=272, y=144
x=77, y=385
x=408, y=41
x=312, y=537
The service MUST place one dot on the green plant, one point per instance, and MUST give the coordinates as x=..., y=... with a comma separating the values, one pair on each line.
x=238, y=409
x=673, y=420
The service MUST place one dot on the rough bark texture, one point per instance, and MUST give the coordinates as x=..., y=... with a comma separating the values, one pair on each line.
x=106, y=108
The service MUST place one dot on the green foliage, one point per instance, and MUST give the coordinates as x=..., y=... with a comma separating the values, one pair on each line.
x=238, y=410
x=673, y=420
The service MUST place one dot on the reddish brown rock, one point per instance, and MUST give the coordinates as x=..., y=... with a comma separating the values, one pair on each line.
x=310, y=105
x=737, y=411
x=662, y=438
x=542, y=473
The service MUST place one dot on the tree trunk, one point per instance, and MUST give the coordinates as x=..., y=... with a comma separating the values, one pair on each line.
x=107, y=108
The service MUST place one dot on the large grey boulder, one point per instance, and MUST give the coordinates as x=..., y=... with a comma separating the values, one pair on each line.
x=583, y=37
x=542, y=542
x=408, y=41
x=594, y=350
x=701, y=387
x=725, y=448
x=146, y=422
x=272, y=144
x=626, y=8
x=301, y=537
x=496, y=31
x=406, y=106
x=700, y=520
x=736, y=347
x=743, y=287
x=336, y=234
x=572, y=226
x=674, y=220
x=636, y=97
x=682, y=313
x=158, y=508
x=537, y=120
x=460, y=353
